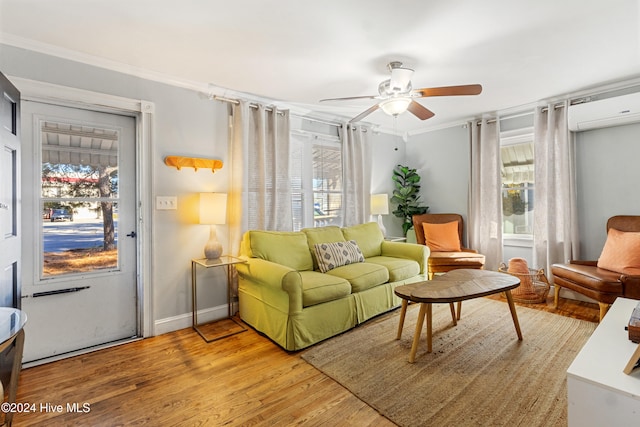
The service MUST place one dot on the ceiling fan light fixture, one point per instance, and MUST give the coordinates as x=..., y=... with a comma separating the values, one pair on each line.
x=395, y=106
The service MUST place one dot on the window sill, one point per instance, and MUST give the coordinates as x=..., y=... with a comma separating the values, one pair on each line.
x=522, y=241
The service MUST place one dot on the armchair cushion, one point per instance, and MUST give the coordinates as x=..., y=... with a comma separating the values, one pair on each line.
x=589, y=280
x=462, y=259
x=621, y=252
x=442, y=237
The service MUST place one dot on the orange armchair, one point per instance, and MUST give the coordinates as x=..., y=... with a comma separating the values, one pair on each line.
x=600, y=284
x=443, y=261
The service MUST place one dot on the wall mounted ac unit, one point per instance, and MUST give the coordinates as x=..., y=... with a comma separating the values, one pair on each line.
x=607, y=112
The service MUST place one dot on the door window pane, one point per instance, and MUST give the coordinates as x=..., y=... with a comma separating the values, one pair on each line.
x=79, y=199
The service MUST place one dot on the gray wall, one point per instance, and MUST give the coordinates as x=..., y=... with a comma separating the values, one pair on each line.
x=187, y=124
x=388, y=151
x=607, y=174
x=442, y=159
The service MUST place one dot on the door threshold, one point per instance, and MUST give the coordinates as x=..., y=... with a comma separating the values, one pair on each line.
x=79, y=352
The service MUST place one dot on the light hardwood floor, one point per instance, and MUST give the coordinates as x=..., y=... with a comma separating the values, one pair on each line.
x=177, y=379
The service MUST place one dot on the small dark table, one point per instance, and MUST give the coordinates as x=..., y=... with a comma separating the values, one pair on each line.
x=454, y=286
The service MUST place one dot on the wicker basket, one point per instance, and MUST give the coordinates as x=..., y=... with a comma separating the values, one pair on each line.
x=534, y=287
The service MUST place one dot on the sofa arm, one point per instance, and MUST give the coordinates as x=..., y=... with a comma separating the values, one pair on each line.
x=275, y=284
x=412, y=251
x=630, y=286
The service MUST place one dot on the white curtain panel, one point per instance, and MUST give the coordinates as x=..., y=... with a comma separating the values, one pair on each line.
x=356, y=166
x=485, y=196
x=268, y=191
x=236, y=199
x=555, y=235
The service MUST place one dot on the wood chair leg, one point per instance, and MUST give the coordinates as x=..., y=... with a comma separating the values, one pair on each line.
x=556, y=295
x=604, y=307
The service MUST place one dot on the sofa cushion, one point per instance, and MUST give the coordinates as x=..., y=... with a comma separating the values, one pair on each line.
x=399, y=268
x=288, y=248
x=442, y=237
x=318, y=288
x=361, y=276
x=328, y=234
x=621, y=252
x=337, y=254
x=368, y=236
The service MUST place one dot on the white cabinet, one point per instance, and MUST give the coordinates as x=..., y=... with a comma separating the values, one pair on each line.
x=599, y=393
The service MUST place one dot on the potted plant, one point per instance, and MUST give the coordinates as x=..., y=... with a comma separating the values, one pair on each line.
x=407, y=183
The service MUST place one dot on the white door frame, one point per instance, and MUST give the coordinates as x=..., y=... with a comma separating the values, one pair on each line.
x=143, y=111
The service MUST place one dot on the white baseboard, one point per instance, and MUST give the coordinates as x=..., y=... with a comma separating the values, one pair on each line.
x=182, y=321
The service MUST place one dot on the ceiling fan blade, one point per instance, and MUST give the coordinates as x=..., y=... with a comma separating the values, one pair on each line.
x=351, y=98
x=420, y=111
x=449, y=90
x=365, y=113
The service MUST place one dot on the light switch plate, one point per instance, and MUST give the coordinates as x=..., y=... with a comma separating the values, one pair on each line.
x=164, y=203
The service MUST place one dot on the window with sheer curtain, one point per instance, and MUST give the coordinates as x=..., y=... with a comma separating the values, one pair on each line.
x=316, y=180
x=517, y=173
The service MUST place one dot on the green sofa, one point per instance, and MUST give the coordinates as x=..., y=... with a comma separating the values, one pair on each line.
x=284, y=295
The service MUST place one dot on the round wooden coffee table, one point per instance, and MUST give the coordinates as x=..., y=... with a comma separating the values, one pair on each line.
x=454, y=286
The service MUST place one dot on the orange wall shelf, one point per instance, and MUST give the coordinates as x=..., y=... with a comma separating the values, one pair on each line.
x=196, y=163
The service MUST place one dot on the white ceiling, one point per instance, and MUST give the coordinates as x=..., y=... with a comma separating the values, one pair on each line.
x=298, y=52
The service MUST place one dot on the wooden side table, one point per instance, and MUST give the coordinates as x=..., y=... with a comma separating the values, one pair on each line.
x=227, y=262
x=12, y=323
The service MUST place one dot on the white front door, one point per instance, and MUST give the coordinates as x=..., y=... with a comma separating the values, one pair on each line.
x=79, y=276
x=9, y=200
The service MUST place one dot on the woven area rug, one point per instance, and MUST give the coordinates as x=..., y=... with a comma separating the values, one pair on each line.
x=479, y=374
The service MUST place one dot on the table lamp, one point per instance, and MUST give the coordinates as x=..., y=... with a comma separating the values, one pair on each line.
x=380, y=206
x=213, y=211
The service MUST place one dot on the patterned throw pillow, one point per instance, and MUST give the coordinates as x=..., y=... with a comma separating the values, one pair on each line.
x=337, y=254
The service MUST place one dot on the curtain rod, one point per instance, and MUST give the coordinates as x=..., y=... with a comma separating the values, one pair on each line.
x=236, y=102
x=251, y=105
x=544, y=110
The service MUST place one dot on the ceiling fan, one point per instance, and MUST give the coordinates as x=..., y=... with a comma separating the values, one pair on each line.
x=396, y=94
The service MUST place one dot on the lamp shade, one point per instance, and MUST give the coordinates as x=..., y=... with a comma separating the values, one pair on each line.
x=213, y=208
x=379, y=204
x=395, y=106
